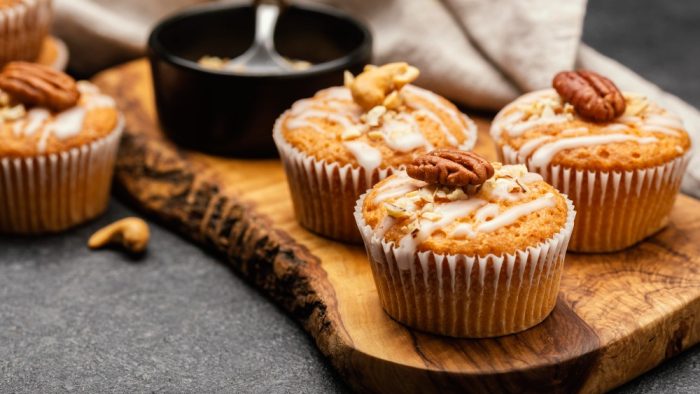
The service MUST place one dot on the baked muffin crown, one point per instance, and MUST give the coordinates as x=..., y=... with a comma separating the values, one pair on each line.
x=44, y=111
x=337, y=126
x=542, y=129
x=511, y=211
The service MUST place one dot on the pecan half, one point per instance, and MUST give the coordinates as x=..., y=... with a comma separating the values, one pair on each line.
x=450, y=168
x=36, y=84
x=592, y=95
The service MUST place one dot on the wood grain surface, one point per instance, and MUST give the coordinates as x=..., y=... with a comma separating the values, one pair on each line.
x=617, y=316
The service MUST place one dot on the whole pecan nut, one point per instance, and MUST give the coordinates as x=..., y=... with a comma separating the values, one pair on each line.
x=36, y=84
x=592, y=95
x=451, y=168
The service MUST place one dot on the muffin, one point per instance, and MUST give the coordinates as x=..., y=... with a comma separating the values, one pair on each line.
x=59, y=142
x=338, y=143
x=464, y=248
x=23, y=26
x=619, y=156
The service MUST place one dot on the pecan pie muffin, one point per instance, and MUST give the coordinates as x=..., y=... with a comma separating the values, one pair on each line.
x=465, y=248
x=340, y=142
x=24, y=24
x=618, y=156
x=59, y=141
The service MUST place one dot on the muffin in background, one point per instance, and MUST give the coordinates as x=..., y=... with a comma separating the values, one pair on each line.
x=340, y=142
x=465, y=248
x=24, y=24
x=59, y=142
x=619, y=156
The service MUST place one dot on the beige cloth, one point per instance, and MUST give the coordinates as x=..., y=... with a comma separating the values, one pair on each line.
x=479, y=53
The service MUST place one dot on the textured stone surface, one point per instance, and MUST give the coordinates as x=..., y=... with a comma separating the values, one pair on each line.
x=180, y=321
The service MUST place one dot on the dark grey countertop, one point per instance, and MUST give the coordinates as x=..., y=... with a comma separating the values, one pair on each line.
x=180, y=321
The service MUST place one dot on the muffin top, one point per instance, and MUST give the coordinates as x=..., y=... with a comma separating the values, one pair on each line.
x=543, y=128
x=374, y=128
x=44, y=111
x=510, y=211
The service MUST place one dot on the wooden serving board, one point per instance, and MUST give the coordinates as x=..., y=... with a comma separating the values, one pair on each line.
x=617, y=316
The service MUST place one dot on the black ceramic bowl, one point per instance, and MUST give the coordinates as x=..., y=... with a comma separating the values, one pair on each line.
x=229, y=113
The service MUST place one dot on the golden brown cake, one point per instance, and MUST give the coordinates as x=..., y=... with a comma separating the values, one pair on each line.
x=480, y=259
x=343, y=140
x=24, y=24
x=59, y=141
x=621, y=161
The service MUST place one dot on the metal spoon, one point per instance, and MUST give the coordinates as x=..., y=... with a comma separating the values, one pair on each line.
x=261, y=57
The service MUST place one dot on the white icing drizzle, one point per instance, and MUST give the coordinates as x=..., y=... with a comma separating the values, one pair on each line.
x=520, y=128
x=464, y=229
x=665, y=121
x=397, y=187
x=68, y=123
x=486, y=212
x=616, y=127
x=511, y=215
x=403, y=134
x=546, y=152
x=367, y=156
x=337, y=93
x=451, y=139
x=435, y=101
x=531, y=145
x=659, y=129
x=33, y=122
x=301, y=119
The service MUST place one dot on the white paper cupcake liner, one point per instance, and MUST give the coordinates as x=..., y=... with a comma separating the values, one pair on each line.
x=615, y=209
x=50, y=193
x=468, y=296
x=324, y=194
x=23, y=28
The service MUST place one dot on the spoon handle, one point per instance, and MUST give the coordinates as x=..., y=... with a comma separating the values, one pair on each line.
x=266, y=15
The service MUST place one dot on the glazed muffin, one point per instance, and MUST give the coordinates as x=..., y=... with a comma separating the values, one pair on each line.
x=618, y=156
x=24, y=24
x=464, y=248
x=59, y=142
x=340, y=142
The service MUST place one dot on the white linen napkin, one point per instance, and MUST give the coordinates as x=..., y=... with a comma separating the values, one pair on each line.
x=479, y=53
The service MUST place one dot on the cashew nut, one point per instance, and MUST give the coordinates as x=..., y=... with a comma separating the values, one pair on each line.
x=131, y=233
x=380, y=85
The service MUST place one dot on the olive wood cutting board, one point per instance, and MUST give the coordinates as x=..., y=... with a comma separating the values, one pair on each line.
x=617, y=316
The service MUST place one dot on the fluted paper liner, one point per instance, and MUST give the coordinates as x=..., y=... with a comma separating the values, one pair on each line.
x=615, y=209
x=468, y=296
x=324, y=194
x=50, y=193
x=23, y=28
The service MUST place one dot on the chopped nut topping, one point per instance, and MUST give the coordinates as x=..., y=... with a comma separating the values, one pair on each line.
x=432, y=216
x=374, y=115
x=396, y=211
x=457, y=194
x=375, y=85
x=12, y=113
x=636, y=104
x=375, y=135
x=350, y=134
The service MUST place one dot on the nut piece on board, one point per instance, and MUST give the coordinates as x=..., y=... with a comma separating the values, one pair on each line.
x=451, y=168
x=592, y=95
x=131, y=233
x=36, y=84
x=379, y=85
